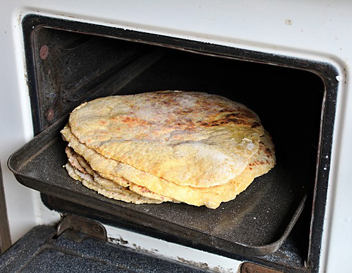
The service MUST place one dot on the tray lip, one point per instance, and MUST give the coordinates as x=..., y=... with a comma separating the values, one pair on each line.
x=26, y=145
x=258, y=250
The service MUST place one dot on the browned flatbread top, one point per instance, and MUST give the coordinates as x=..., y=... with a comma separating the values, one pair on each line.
x=189, y=138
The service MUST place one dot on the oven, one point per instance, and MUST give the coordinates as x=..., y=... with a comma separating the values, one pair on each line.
x=286, y=61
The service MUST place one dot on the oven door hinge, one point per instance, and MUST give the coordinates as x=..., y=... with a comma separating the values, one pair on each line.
x=81, y=224
x=255, y=268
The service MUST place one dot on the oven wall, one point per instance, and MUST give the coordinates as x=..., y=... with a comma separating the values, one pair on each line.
x=23, y=207
x=314, y=30
x=5, y=240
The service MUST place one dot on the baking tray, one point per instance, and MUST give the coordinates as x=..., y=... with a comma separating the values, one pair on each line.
x=256, y=223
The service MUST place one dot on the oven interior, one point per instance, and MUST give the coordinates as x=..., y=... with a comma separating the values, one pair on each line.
x=69, y=63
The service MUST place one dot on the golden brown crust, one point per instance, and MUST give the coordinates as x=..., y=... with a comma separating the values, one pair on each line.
x=189, y=147
x=211, y=197
x=190, y=138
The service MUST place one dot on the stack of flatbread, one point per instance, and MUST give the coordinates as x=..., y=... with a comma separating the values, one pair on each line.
x=167, y=146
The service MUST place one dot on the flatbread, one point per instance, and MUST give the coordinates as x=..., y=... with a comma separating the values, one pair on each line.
x=118, y=183
x=211, y=197
x=118, y=193
x=188, y=138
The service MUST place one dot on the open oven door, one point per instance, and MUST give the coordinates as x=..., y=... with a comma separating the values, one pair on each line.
x=80, y=245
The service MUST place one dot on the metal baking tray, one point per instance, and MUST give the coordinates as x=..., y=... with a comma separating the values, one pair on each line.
x=256, y=223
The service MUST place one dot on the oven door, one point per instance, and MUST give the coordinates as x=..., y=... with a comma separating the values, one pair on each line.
x=82, y=247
